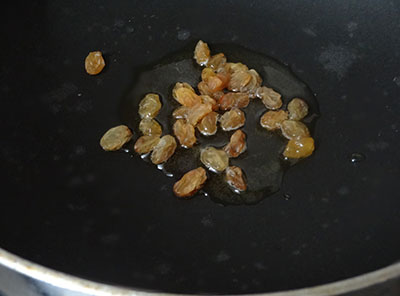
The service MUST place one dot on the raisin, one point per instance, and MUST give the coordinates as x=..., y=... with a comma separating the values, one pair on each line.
x=148, y=126
x=234, y=67
x=180, y=112
x=298, y=109
x=208, y=125
x=239, y=79
x=237, y=144
x=207, y=73
x=270, y=98
x=215, y=159
x=184, y=132
x=145, y=144
x=207, y=99
x=190, y=183
x=94, y=63
x=197, y=112
x=232, y=119
x=234, y=100
x=149, y=106
x=254, y=84
x=164, y=149
x=272, y=120
x=201, y=53
x=217, y=61
x=185, y=94
x=235, y=178
x=292, y=129
x=299, y=148
x=115, y=138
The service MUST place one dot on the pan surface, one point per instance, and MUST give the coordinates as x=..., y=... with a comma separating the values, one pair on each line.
x=68, y=205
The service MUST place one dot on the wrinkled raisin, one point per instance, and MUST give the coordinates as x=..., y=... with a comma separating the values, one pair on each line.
x=215, y=159
x=185, y=94
x=208, y=125
x=235, y=178
x=233, y=100
x=270, y=98
x=201, y=53
x=184, y=132
x=94, y=63
x=149, y=106
x=237, y=144
x=197, y=112
x=180, y=112
x=298, y=109
x=148, y=126
x=299, y=148
x=293, y=129
x=234, y=67
x=115, y=138
x=254, y=84
x=272, y=120
x=207, y=99
x=145, y=144
x=190, y=183
x=207, y=73
x=232, y=119
x=164, y=149
x=217, y=61
x=239, y=79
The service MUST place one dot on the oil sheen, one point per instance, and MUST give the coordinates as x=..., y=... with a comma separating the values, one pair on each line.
x=262, y=162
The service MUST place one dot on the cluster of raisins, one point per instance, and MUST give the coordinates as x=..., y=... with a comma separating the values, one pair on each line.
x=224, y=89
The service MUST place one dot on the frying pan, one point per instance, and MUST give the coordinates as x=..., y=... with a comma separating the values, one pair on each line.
x=106, y=217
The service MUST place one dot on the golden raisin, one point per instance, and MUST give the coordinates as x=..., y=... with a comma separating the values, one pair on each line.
x=206, y=73
x=299, y=148
x=204, y=89
x=232, y=119
x=234, y=67
x=145, y=144
x=190, y=183
x=185, y=94
x=215, y=159
x=115, y=138
x=217, y=61
x=148, y=126
x=292, y=129
x=208, y=125
x=271, y=120
x=239, y=79
x=234, y=100
x=149, y=106
x=298, y=109
x=164, y=149
x=237, y=144
x=235, y=178
x=180, y=112
x=270, y=98
x=94, y=63
x=201, y=53
x=207, y=99
x=197, y=112
x=184, y=132
x=254, y=84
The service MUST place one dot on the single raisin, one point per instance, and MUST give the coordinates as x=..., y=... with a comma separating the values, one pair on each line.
x=148, y=126
x=145, y=144
x=237, y=144
x=270, y=98
x=232, y=119
x=215, y=159
x=299, y=148
x=201, y=53
x=115, y=138
x=185, y=94
x=185, y=133
x=292, y=129
x=94, y=63
x=272, y=120
x=298, y=109
x=149, y=106
x=208, y=125
x=235, y=178
x=234, y=100
x=164, y=149
x=190, y=183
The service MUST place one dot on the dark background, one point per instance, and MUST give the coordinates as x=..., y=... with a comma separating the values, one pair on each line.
x=104, y=216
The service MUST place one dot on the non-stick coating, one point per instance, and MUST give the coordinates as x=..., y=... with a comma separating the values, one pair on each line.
x=68, y=205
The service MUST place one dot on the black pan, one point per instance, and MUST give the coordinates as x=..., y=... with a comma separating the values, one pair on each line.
x=107, y=217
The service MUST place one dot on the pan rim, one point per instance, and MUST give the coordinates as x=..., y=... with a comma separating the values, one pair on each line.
x=76, y=284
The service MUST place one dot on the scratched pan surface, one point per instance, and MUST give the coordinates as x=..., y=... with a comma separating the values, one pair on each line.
x=70, y=206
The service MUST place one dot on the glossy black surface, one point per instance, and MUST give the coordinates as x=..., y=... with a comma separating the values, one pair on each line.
x=68, y=205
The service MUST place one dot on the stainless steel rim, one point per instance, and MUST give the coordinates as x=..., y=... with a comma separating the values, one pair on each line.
x=76, y=284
